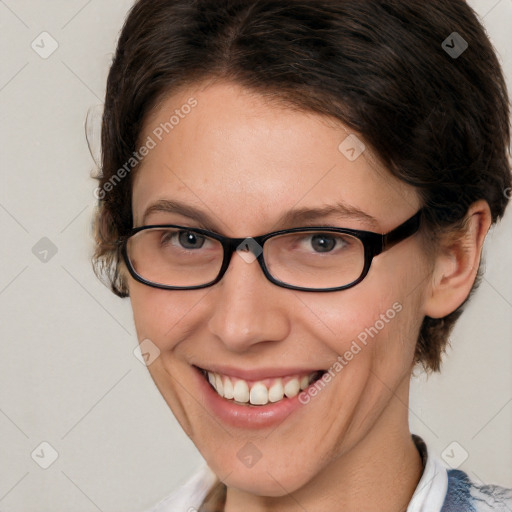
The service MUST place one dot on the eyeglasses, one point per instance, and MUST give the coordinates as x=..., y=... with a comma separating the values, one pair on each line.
x=316, y=259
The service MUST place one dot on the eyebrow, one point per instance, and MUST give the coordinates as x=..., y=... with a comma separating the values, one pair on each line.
x=293, y=217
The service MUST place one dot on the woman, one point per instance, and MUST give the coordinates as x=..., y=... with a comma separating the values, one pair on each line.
x=254, y=153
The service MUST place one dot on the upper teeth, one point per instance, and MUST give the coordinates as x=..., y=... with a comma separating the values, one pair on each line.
x=259, y=393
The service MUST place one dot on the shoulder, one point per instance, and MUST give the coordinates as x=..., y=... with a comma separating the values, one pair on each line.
x=464, y=494
x=189, y=496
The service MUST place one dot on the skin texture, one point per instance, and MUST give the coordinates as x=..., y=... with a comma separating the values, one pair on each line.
x=245, y=162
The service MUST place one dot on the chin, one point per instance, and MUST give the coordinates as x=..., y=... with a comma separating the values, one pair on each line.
x=273, y=477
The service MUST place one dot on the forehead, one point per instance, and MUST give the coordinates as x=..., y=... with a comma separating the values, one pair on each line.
x=246, y=162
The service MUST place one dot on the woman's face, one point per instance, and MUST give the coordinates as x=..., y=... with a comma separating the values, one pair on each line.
x=244, y=163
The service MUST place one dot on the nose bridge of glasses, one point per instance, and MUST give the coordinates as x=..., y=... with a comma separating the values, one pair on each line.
x=249, y=248
x=248, y=245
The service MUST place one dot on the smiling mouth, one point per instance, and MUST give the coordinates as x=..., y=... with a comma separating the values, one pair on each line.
x=261, y=392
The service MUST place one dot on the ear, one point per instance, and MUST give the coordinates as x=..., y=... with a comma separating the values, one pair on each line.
x=456, y=264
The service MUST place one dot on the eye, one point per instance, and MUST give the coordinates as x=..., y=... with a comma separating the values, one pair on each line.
x=190, y=240
x=186, y=239
x=323, y=242
x=327, y=242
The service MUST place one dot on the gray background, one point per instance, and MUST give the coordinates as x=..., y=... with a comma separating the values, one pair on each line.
x=68, y=373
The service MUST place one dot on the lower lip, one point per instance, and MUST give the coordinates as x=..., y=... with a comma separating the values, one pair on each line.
x=246, y=416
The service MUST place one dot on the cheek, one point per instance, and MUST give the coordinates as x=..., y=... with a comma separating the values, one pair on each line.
x=163, y=316
x=357, y=314
x=378, y=319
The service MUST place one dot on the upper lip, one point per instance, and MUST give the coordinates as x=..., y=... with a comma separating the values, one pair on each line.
x=257, y=373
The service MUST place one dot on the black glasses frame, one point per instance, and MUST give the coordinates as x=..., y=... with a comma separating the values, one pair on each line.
x=373, y=243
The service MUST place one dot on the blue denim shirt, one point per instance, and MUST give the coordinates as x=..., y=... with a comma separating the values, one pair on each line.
x=465, y=496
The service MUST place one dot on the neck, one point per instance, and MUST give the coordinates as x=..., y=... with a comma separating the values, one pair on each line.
x=379, y=473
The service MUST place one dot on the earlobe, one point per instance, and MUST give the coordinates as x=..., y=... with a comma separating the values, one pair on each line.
x=457, y=263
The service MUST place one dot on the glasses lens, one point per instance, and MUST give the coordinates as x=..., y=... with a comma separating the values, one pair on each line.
x=175, y=256
x=315, y=259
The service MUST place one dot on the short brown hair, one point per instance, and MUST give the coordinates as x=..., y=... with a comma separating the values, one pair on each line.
x=438, y=121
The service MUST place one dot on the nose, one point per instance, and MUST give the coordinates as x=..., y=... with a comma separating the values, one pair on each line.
x=247, y=309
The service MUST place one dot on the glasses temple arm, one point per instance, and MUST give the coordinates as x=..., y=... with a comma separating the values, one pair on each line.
x=408, y=228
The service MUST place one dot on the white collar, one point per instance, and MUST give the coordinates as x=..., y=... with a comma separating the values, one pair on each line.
x=431, y=489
